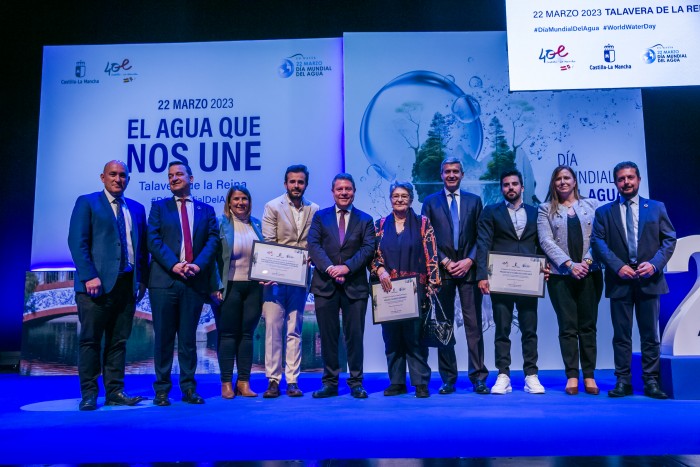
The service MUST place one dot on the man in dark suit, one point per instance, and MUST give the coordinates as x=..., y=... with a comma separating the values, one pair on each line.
x=341, y=245
x=510, y=227
x=107, y=240
x=454, y=214
x=183, y=240
x=634, y=238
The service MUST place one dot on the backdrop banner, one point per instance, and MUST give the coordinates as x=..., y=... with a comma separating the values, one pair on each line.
x=412, y=99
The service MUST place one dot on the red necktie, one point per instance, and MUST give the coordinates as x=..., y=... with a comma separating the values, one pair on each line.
x=341, y=226
x=187, y=235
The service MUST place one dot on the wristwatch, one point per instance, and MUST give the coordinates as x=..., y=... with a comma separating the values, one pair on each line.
x=588, y=261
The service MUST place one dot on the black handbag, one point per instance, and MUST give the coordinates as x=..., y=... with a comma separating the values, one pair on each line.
x=437, y=330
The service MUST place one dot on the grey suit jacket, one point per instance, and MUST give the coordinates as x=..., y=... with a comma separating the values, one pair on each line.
x=553, y=232
x=278, y=224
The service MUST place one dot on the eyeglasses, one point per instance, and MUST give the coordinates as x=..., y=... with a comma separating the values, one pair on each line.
x=398, y=197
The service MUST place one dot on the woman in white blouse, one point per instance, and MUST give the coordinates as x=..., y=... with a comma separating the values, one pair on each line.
x=237, y=303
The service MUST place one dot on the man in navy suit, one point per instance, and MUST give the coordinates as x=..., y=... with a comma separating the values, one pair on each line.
x=341, y=245
x=107, y=240
x=454, y=214
x=510, y=227
x=634, y=238
x=183, y=239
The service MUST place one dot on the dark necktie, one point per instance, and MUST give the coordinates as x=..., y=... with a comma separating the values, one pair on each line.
x=341, y=226
x=187, y=235
x=121, y=225
x=455, y=221
x=631, y=238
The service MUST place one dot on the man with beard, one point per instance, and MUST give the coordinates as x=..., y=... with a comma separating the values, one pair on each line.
x=634, y=238
x=107, y=240
x=183, y=238
x=286, y=220
x=510, y=227
x=341, y=245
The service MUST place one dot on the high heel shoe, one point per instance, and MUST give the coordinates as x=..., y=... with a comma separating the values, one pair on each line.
x=571, y=387
x=243, y=389
x=592, y=389
x=227, y=391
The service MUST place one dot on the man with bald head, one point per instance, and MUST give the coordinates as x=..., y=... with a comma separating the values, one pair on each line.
x=107, y=240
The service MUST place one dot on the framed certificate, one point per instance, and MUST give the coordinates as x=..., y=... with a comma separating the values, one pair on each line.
x=279, y=263
x=516, y=274
x=398, y=304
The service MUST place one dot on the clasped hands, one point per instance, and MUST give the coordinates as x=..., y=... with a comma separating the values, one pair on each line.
x=644, y=270
x=185, y=269
x=338, y=272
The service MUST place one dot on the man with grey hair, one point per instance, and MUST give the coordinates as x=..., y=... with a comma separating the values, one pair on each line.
x=454, y=214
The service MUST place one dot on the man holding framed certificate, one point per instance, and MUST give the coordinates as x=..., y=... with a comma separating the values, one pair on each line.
x=507, y=228
x=286, y=221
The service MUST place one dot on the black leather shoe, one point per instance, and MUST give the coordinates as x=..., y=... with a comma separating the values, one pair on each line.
x=88, y=402
x=481, y=388
x=325, y=391
x=447, y=388
x=621, y=390
x=272, y=391
x=161, y=399
x=422, y=391
x=395, y=390
x=122, y=398
x=191, y=397
x=293, y=390
x=358, y=392
x=651, y=389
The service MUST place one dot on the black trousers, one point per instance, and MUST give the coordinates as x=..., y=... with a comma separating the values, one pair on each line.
x=176, y=311
x=402, y=345
x=576, y=305
x=236, y=320
x=646, y=307
x=110, y=316
x=470, y=299
x=503, y=305
x=328, y=319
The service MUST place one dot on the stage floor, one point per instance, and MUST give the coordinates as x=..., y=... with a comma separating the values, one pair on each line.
x=40, y=424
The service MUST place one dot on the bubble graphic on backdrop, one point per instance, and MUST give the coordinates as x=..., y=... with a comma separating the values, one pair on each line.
x=475, y=82
x=397, y=120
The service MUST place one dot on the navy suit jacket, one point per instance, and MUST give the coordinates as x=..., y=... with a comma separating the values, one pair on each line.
x=496, y=233
x=356, y=252
x=93, y=239
x=165, y=240
x=436, y=208
x=655, y=243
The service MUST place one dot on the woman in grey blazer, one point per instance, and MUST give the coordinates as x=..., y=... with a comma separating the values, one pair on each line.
x=564, y=224
x=237, y=301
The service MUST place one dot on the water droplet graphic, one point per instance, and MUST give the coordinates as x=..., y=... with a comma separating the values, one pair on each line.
x=397, y=120
x=475, y=82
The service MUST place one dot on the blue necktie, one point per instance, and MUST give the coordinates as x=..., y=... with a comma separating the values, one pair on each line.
x=121, y=224
x=631, y=238
x=455, y=221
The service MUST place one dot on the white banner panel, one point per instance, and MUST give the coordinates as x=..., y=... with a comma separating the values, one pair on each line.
x=413, y=98
x=595, y=44
x=236, y=112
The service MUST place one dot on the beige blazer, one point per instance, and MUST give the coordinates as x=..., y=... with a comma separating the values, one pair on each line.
x=278, y=223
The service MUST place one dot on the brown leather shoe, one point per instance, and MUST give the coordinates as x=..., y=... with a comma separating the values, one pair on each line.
x=227, y=391
x=590, y=386
x=243, y=389
x=571, y=386
x=293, y=390
x=273, y=390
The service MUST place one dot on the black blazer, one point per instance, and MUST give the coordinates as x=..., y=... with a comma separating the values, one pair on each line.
x=655, y=243
x=437, y=209
x=165, y=238
x=496, y=233
x=356, y=252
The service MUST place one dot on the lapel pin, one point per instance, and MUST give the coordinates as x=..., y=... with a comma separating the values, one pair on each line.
x=646, y=205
